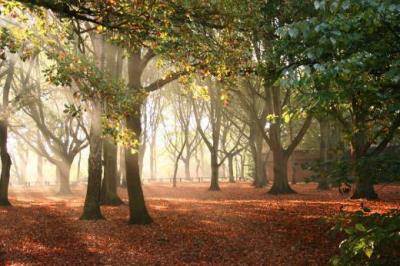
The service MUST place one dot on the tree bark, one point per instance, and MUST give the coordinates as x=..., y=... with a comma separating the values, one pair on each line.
x=39, y=169
x=230, y=168
x=91, y=209
x=324, y=149
x=280, y=164
x=109, y=195
x=122, y=167
x=5, y=164
x=187, y=169
x=364, y=187
x=260, y=176
x=214, y=172
x=39, y=161
x=137, y=207
x=5, y=156
x=63, y=173
x=153, y=157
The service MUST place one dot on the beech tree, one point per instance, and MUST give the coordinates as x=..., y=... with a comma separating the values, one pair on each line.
x=350, y=58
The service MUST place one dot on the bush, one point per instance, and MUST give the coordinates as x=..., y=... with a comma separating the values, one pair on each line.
x=371, y=239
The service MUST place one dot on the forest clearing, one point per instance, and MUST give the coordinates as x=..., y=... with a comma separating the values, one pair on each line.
x=238, y=225
x=200, y=132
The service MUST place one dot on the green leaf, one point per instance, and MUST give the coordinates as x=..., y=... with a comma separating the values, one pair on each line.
x=360, y=227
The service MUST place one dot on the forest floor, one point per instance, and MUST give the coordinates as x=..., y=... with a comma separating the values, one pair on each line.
x=240, y=225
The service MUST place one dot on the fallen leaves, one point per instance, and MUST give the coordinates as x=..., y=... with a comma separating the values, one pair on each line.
x=239, y=225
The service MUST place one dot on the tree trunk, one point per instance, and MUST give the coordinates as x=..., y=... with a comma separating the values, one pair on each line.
x=78, y=168
x=323, y=150
x=109, y=195
x=214, y=172
x=63, y=172
x=5, y=164
x=230, y=166
x=23, y=155
x=137, y=207
x=364, y=188
x=122, y=167
x=39, y=179
x=153, y=157
x=91, y=209
x=5, y=156
x=260, y=173
x=281, y=183
x=187, y=168
x=242, y=165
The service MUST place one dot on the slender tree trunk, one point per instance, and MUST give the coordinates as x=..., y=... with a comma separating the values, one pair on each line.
x=197, y=164
x=23, y=155
x=122, y=167
x=109, y=195
x=242, y=165
x=230, y=166
x=261, y=176
x=137, y=207
x=281, y=182
x=39, y=169
x=63, y=172
x=187, y=168
x=153, y=157
x=39, y=162
x=5, y=156
x=91, y=209
x=78, y=169
x=323, y=183
x=5, y=164
x=214, y=172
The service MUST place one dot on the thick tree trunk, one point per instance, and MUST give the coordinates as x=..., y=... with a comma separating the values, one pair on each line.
x=364, y=185
x=109, y=195
x=5, y=164
x=63, y=172
x=230, y=166
x=324, y=149
x=364, y=188
x=137, y=207
x=91, y=209
x=214, y=172
x=281, y=183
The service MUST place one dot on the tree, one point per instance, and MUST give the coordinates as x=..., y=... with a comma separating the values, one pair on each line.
x=351, y=61
x=64, y=136
x=5, y=156
x=213, y=107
